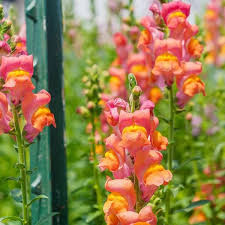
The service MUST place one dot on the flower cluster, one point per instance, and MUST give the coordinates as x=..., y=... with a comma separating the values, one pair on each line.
x=161, y=57
x=173, y=57
x=16, y=88
x=134, y=157
x=214, y=38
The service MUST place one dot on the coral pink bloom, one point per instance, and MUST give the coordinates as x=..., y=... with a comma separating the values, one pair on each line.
x=189, y=68
x=155, y=94
x=145, y=216
x=149, y=23
x=112, y=110
x=158, y=141
x=135, y=129
x=122, y=47
x=194, y=48
x=149, y=172
x=157, y=175
x=155, y=7
x=189, y=31
x=191, y=86
x=175, y=14
x=121, y=199
x=36, y=114
x=138, y=118
x=5, y=115
x=117, y=81
x=124, y=187
x=145, y=41
x=115, y=159
x=167, y=63
x=144, y=159
x=136, y=64
x=17, y=73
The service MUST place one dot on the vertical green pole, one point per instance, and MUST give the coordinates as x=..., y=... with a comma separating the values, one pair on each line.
x=44, y=42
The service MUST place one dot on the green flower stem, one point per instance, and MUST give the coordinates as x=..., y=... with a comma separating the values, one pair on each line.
x=95, y=164
x=140, y=202
x=22, y=167
x=170, y=152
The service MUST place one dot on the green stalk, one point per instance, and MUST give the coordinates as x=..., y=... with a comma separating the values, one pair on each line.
x=95, y=170
x=22, y=168
x=170, y=152
x=139, y=203
x=131, y=12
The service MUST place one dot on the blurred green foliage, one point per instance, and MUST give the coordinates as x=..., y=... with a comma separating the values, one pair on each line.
x=192, y=154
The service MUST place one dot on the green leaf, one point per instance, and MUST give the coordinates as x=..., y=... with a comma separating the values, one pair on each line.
x=132, y=81
x=193, y=205
x=28, y=144
x=45, y=218
x=164, y=119
x=92, y=216
x=221, y=215
x=12, y=218
x=17, y=179
x=187, y=162
x=218, y=149
x=16, y=195
x=37, y=198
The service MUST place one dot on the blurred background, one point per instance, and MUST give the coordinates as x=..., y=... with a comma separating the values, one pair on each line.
x=88, y=32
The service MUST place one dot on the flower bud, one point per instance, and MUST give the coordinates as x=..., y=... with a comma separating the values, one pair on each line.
x=189, y=116
x=82, y=110
x=91, y=105
x=84, y=79
x=136, y=92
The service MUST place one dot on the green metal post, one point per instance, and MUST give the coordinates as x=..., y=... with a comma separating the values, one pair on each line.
x=44, y=42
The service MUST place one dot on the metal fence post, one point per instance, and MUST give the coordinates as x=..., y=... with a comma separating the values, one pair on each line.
x=44, y=41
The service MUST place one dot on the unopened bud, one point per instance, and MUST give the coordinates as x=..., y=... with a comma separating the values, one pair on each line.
x=189, y=116
x=91, y=105
x=136, y=91
x=127, y=20
x=157, y=201
x=82, y=110
x=84, y=79
x=8, y=22
x=131, y=9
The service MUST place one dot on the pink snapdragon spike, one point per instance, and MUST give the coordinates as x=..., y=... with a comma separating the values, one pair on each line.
x=36, y=114
x=17, y=73
x=5, y=114
x=133, y=151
